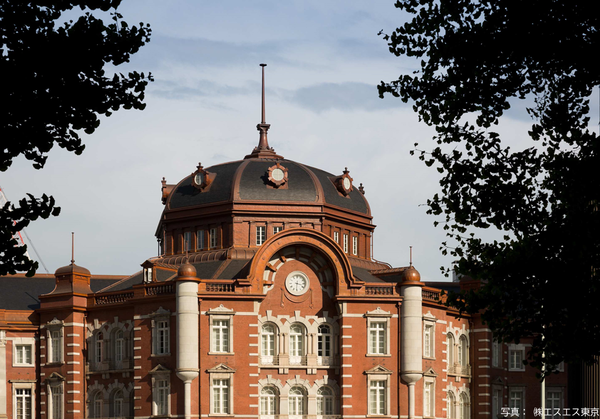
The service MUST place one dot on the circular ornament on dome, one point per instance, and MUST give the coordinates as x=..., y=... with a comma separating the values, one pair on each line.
x=201, y=178
x=277, y=175
x=297, y=283
x=344, y=183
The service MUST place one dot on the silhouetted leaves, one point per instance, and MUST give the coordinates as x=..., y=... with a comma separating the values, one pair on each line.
x=55, y=86
x=475, y=58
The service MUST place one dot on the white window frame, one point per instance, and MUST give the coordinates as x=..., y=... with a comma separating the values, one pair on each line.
x=345, y=243
x=378, y=390
x=550, y=401
x=463, y=354
x=324, y=341
x=429, y=397
x=212, y=235
x=520, y=392
x=23, y=348
x=161, y=394
x=120, y=345
x=429, y=336
x=336, y=237
x=23, y=386
x=221, y=372
x=297, y=343
x=98, y=348
x=378, y=317
x=464, y=405
x=326, y=405
x=298, y=404
x=269, y=401
x=97, y=404
x=451, y=405
x=161, y=332
x=117, y=404
x=220, y=330
x=261, y=235
x=268, y=343
x=221, y=314
x=497, y=401
x=496, y=354
x=355, y=245
x=277, y=229
x=56, y=400
x=54, y=342
x=516, y=353
x=187, y=241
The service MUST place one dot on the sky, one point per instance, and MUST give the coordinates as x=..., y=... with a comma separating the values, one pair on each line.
x=324, y=61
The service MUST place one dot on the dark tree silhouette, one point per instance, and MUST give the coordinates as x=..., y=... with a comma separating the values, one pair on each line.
x=55, y=86
x=476, y=59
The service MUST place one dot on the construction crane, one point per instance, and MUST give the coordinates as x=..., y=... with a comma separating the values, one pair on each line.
x=18, y=237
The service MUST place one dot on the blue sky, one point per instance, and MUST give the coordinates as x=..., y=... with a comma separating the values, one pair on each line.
x=324, y=63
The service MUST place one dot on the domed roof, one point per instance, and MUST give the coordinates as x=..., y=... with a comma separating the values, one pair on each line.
x=247, y=180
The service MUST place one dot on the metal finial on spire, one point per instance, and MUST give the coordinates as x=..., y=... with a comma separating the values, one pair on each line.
x=410, y=255
x=72, y=247
x=263, y=151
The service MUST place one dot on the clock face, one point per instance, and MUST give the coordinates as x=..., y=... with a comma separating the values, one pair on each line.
x=297, y=283
x=198, y=179
x=347, y=183
x=277, y=174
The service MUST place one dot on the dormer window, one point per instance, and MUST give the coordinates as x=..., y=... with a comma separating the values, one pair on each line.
x=147, y=275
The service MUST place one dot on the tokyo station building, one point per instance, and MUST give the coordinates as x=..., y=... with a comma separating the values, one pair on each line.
x=265, y=302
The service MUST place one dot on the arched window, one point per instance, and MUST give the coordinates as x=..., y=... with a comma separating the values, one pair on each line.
x=117, y=404
x=119, y=346
x=463, y=351
x=296, y=344
x=268, y=334
x=269, y=405
x=325, y=401
x=98, y=401
x=324, y=341
x=451, y=406
x=463, y=408
x=451, y=344
x=297, y=401
x=98, y=346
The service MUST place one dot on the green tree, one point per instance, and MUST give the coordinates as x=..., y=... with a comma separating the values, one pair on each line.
x=476, y=59
x=55, y=86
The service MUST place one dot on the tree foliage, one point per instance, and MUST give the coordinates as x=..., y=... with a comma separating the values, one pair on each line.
x=55, y=87
x=476, y=59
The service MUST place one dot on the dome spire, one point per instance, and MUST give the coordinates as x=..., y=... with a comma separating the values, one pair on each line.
x=263, y=151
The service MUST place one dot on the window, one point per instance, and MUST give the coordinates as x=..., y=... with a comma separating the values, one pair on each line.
x=187, y=241
x=213, y=238
x=553, y=402
x=377, y=338
x=277, y=229
x=200, y=239
x=147, y=275
x=98, y=401
x=377, y=398
x=161, y=334
x=98, y=344
x=119, y=346
x=325, y=401
x=451, y=405
x=160, y=397
x=463, y=355
x=55, y=346
x=22, y=403
x=428, y=341
x=23, y=354
x=428, y=399
x=261, y=235
x=336, y=236
x=220, y=389
x=269, y=398
x=496, y=402
x=496, y=354
x=451, y=344
x=297, y=401
x=463, y=407
x=516, y=401
x=515, y=358
x=296, y=344
x=355, y=245
x=117, y=404
x=324, y=341
x=345, y=243
x=220, y=335
x=268, y=333
x=56, y=401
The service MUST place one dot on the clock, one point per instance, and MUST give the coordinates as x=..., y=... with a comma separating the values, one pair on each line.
x=277, y=174
x=344, y=183
x=297, y=283
x=201, y=179
x=347, y=183
x=198, y=179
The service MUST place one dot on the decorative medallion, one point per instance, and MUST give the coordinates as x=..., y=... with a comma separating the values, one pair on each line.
x=277, y=175
x=201, y=178
x=344, y=183
x=297, y=283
